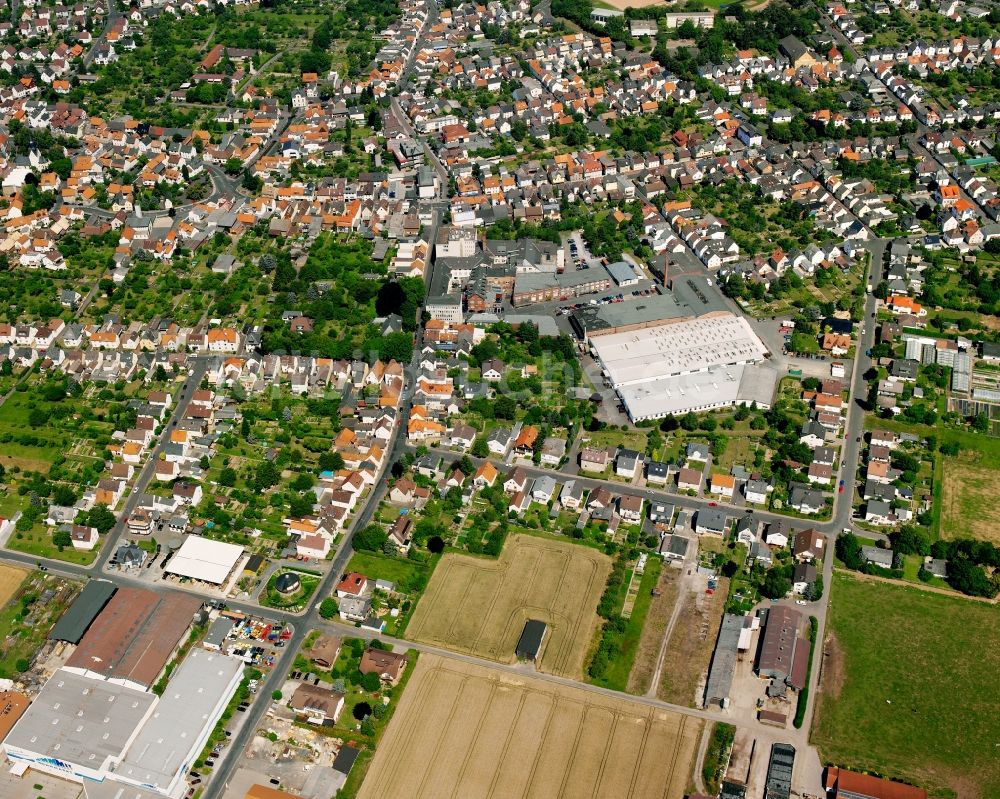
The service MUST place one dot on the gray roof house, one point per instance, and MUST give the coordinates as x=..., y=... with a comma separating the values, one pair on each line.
x=877, y=556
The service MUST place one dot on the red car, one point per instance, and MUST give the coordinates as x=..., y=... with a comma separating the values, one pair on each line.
x=840, y=488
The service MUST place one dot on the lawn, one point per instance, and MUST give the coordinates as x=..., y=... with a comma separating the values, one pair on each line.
x=909, y=687
x=38, y=541
x=294, y=601
x=616, y=677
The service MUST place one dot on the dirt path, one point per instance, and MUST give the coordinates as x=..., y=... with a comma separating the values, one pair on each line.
x=699, y=759
x=684, y=588
x=649, y=655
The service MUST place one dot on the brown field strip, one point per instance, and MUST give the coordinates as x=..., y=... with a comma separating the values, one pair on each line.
x=469, y=731
x=11, y=578
x=479, y=606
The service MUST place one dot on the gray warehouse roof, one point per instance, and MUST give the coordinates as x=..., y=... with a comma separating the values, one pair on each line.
x=190, y=706
x=81, y=720
x=81, y=614
x=720, y=675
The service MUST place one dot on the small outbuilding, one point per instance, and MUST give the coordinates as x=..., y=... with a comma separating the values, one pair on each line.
x=529, y=645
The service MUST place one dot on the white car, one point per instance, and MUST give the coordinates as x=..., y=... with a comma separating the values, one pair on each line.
x=800, y=602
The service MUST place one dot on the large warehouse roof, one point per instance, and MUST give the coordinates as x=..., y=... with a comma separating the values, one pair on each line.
x=719, y=387
x=677, y=348
x=134, y=636
x=204, y=559
x=78, y=618
x=172, y=737
x=81, y=721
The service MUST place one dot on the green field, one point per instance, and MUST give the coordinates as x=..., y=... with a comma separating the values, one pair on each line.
x=909, y=687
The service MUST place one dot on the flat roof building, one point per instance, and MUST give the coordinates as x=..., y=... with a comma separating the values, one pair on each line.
x=205, y=560
x=85, y=608
x=172, y=737
x=78, y=727
x=686, y=365
x=134, y=637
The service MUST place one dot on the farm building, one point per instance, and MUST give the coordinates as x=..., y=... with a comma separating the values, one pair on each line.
x=529, y=645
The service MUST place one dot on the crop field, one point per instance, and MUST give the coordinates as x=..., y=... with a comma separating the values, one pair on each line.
x=968, y=498
x=909, y=686
x=479, y=606
x=471, y=731
x=10, y=578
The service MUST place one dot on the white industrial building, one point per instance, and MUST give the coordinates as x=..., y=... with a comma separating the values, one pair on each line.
x=686, y=365
x=174, y=735
x=78, y=727
x=205, y=560
x=96, y=732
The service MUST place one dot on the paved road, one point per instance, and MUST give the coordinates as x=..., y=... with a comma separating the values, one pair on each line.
x=199, y=367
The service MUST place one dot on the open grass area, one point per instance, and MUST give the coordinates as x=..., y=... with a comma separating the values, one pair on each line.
x=617, y=675
x=909, y=687
x=653, y=630
x=479, y=606
x=969, y=497
x=38, y=541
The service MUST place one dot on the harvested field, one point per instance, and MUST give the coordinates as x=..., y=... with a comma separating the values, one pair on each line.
x=10, y=578
x=479, y=606
x=471, y=731
x=967, y=498
x=652, y=633
x=690, y=649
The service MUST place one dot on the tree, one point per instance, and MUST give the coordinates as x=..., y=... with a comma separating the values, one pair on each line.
x=227, y=477
x=98, y=516
x=504, y=407
x=371, y=538
x=276, y=695
x=362, y=710
x=22, y=665
x=329, y=608
x=480, y=449
x=61, y=539
x=776, y=584
x=848, y=549
x=435, y=544
x=301, y=505
x=815, y=592
x=370, y=682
